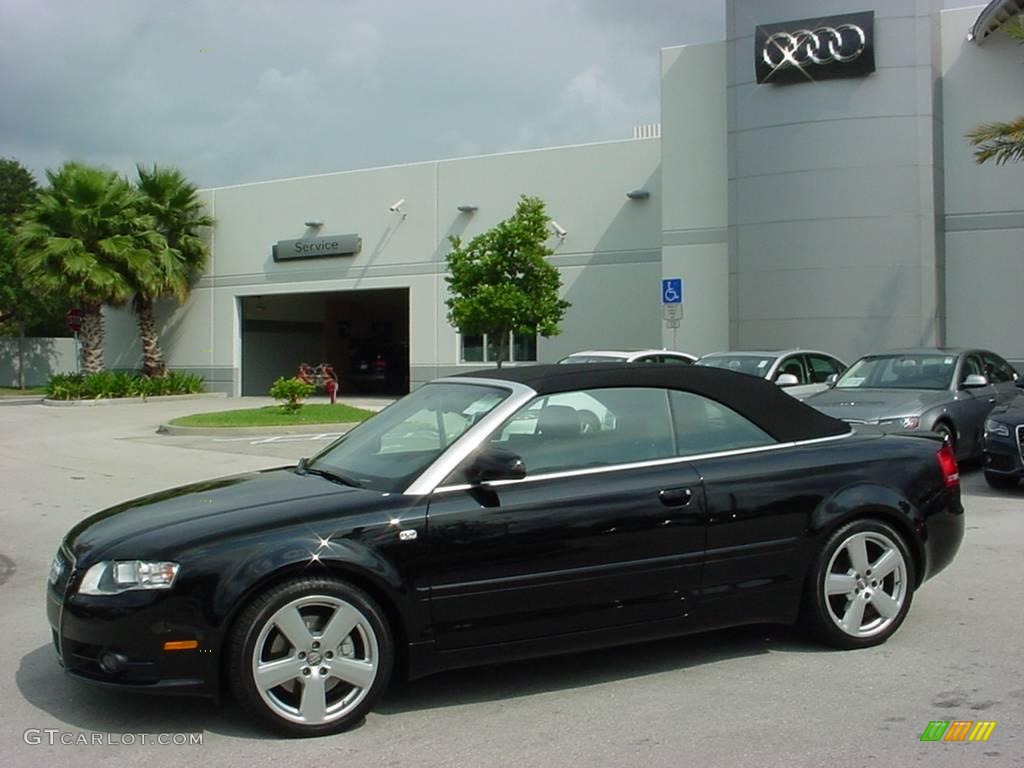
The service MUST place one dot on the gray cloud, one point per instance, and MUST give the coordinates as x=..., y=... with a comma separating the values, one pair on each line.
x=247, y=91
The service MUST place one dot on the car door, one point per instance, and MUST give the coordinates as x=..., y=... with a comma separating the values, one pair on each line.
x=605, y=530
x=794, y=364
x=1002, y=376
x=972, y=406
x=819, y=368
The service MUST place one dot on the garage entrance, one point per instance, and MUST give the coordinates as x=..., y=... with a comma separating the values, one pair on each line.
x=363, y=334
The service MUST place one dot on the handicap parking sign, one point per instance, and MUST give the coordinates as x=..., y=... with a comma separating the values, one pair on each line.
x=672, y=290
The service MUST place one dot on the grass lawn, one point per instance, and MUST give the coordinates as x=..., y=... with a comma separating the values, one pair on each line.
x=275, y=416
x=26, y=391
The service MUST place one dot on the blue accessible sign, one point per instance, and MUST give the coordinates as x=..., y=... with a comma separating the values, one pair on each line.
x=672, y=290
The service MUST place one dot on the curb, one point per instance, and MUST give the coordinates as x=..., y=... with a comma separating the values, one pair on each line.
x=130, y=400
x=298, y=429
x=21, y=400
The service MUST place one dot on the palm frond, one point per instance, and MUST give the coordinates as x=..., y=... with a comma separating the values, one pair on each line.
x=1000, y=141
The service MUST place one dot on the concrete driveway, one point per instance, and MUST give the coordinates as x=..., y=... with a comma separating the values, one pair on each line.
x=759, y=695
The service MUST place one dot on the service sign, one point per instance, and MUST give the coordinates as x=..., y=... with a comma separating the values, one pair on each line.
x=808, y=50
x=315, y=247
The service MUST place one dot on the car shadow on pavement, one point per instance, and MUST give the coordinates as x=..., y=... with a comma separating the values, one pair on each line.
x=80, y=705
x=580, y=670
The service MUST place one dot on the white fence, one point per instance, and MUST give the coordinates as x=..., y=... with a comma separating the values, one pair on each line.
x=41, y=359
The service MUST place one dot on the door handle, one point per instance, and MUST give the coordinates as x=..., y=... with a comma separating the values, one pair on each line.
x=675, y=497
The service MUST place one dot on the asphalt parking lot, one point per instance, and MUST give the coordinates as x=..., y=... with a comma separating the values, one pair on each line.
x=759, y=695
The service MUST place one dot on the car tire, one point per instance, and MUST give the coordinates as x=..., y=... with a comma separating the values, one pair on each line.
x=946, y=432
x=1002, y=482
x=296, y=670
x=847, y=602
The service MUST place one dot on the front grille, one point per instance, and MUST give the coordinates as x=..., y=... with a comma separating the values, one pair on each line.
x=1020, y=441
x=62, y=571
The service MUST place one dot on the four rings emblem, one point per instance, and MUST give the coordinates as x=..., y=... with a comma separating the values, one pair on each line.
x=822, y=45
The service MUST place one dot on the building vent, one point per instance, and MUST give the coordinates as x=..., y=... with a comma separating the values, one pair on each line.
x=649, y=131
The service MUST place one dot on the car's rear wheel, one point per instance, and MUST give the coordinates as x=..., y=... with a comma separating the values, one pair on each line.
x=311, y=656
x=1000, y=481
x=860, y=587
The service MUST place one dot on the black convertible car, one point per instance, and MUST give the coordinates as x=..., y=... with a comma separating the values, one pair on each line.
x=515, y=513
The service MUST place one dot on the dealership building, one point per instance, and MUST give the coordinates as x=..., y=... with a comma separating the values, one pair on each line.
x=809, y=182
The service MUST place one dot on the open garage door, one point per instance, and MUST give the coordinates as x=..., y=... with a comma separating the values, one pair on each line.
x=364, y=335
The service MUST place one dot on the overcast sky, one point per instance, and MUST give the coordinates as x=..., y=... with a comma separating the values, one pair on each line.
x=232, y=92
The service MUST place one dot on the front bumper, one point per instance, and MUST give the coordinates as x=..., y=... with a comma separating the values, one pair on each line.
x=1003, y=455
x=117, y=640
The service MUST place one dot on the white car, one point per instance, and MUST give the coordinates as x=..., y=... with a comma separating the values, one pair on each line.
x=630, y=356
x=800, y=372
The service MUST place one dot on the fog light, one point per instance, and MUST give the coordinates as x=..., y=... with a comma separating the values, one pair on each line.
x=112, y=663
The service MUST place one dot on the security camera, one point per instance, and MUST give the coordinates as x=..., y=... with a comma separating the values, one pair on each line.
x=559, y=229
x=397, y=207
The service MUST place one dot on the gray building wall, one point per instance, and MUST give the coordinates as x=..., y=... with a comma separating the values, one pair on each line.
x=41, y=358
x=610, y=258
x=832, y=204
x=984, y=204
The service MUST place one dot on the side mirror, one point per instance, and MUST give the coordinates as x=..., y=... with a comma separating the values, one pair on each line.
x=831, y=380
x=974, y=380
x=786, y=380
x=490, y=464
x=1018, y=380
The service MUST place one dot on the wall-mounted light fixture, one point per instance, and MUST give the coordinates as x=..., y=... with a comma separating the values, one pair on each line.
x=559, y=230
x=314, y=223
x=638, y=194
x=467, y=208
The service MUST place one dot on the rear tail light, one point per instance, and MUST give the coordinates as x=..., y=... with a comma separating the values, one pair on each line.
x=947, y=463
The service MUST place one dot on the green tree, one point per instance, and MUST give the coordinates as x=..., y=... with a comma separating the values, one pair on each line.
x=81, y=241
x=500, y=282
x=1000, y=141
x=173, y=203
x=22, y=310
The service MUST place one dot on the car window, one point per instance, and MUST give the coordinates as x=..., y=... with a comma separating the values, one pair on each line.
x=972, y=367
x=703, y=425
x=793, y=366
x=648, y=359
x=676, y=360
x=589, y=428
x=821, y=367
x=752, y=364
x=997, y=369
x=924, y=371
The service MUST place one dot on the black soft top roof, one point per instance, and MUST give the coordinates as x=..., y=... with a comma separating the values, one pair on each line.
x=783, y=417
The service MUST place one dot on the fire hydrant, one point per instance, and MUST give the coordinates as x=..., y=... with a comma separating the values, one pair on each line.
x=332, y=389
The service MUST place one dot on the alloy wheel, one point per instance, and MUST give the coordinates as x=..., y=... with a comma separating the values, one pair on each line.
x=866, y=584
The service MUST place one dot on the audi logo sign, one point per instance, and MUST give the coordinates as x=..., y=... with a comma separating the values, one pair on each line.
x=815, y=49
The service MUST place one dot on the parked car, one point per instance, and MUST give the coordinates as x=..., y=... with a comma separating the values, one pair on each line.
x=800, y=372
x=1003, y=445
x=629, y=356
x=439, y=535
x=946, y=391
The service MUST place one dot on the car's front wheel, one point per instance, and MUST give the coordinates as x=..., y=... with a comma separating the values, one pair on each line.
x=311, y=656
x=860, y=586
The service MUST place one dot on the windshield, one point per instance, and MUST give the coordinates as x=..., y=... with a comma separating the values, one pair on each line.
x=592, y=359
x=899, y=372
x=386, y=452
x=755, y=365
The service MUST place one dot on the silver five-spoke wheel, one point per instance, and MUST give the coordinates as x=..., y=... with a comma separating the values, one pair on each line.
x=311, y=656
x=315, y=659
x=865, y=584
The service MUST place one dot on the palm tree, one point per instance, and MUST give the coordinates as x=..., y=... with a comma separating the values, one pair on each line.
x=177, y=213
x=81, y=240
x=1001, y=142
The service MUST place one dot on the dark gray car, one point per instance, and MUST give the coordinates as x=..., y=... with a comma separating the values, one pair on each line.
x=947, y=391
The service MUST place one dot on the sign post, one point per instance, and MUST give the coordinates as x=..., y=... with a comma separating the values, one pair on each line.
x=672, y=302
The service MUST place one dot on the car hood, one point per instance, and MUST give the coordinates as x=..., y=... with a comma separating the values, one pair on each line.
x=874, y=404
x=1011, y=413
x=203, y=504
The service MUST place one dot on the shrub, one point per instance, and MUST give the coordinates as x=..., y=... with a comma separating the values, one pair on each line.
x=115, y=384
x=291, y=392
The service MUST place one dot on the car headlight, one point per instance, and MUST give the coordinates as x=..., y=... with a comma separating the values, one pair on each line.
x=996, y=428
x=114, y=576
x=907, y=422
